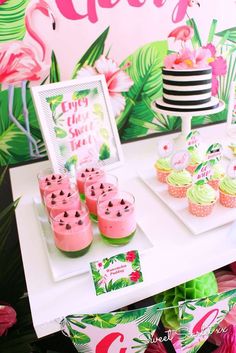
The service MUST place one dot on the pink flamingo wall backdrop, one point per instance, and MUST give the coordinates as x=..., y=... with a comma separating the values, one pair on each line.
x=20, y=63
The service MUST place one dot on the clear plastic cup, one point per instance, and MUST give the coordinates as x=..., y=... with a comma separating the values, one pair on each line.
x=94, y=188
x=50, y=181
x=62, y=200
x=82, y=175
x=72, y=231
x=116, y=217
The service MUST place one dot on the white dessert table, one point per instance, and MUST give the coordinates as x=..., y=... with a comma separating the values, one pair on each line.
x=177, y=256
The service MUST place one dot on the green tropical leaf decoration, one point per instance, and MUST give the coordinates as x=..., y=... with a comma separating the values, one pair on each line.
x=100, y=320
x=80, y=94
x=190, y=306
x=60, y=133
x=12, y=20
x=76, y=322
x=196, y=40
x=187, y=341
x=145, y=70
x=104, y=152
x=231, y=36
x=71, y=162
x=14, y=147
x=146, y=327
x=54, y=101
x=129, y=316
x=92, y=54
x=104, y=133
x=54, y=69
x=98, y=111
x=232, y=302
x=78, y=337
x=186, y=318
x=120, y=283
x=209, y=301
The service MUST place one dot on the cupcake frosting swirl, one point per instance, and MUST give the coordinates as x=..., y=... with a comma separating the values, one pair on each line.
x=201, y=194
x=163, y=164
x=195, y=157
x=228, y=185
x=180, y=178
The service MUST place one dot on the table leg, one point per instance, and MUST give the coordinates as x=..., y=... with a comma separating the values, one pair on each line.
x=180, y=141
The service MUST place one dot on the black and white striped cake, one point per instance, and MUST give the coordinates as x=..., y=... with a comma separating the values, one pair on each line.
x=183, y=88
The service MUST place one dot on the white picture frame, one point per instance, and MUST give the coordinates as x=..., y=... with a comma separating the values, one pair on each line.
x=231, y=117
x=78, y=123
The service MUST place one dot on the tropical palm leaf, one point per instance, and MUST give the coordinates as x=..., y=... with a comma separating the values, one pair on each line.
x=144, y=68
x=92, y=54
x=14, y=146
x=12, y=23
x=231, y=34
x=54, y=69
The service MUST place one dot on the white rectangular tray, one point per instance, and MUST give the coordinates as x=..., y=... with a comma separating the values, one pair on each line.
x=63, y=267
x=197, y=225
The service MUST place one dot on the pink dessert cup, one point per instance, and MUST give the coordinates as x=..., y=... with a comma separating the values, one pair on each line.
x=61, y=200
x=50, y=181
x=82, y=175
x=200, y=210
x=108, y=184
x=178, y=191
x=116, y=218
x=72, y=231
x=162, y=175
x=214, y=183
x=227, y=200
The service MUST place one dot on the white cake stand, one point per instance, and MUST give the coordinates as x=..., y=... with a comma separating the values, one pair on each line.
x=186, y=118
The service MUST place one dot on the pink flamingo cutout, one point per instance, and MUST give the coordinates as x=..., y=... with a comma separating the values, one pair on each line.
x=19, y=63
x=182, y=33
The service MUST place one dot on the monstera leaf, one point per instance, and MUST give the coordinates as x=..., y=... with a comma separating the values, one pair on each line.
x=144, y=68
x=14, y=146
x=12, y=23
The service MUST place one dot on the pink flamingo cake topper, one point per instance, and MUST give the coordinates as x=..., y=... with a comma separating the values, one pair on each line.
x=182, y=33
x=19, y=63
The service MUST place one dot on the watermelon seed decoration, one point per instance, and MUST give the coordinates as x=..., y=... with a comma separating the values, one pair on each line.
x=107, y=212
x=53, y=177
x=53, y=202
x=59, y=177
x=92, y=187
x=61, y=193
x=64, y=202
x=92, y=193
x=66, y=214
x=119, y=214
x=46, y=179
x=110, y=204
x=68, y=226
x=77, y=214
x=80, y=222
x=126, y=207
x=69, y=194
x=87, y=170
x=122, y=202
x=101, y=186
x=48, y=183
x=53, y=196
x=92, y=170
x=82, y=175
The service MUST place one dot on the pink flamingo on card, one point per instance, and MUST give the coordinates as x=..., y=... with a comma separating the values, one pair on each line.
x=19, y=63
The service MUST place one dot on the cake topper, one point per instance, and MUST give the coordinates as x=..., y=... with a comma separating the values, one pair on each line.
x=202, y=173
x=180, y=160
x=165, y=148
x=214, y=153
x=193, y=140
x=231, y=170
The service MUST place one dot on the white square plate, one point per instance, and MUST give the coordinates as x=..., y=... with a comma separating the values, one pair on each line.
x=197, y=225
x=63, y=267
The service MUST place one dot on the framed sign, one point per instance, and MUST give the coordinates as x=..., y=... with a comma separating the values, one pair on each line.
x=77, y=123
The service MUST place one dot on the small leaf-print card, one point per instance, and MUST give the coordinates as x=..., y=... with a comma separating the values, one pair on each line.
x=116, y=272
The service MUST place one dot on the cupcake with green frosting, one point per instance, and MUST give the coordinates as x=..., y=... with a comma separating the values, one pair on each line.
x=217, y=176
x=178, y=183
x=195, y=159
x=201, y=199
x=163, y=169
x=227, y=190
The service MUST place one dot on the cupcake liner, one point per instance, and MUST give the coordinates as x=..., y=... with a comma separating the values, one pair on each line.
x=214, y=183
x=191, y=168
x=178, y=191
x=200, y=210
x=227, y=200
x=162, y=175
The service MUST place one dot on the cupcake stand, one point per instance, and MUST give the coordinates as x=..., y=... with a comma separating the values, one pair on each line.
x=186, y=115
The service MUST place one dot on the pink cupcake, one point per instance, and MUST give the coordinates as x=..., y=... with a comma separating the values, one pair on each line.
x=201, y=200
x=227, y=190
x=163, y=169
x=178, y=183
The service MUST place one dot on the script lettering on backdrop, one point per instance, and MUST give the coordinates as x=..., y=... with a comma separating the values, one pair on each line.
x=68, y=10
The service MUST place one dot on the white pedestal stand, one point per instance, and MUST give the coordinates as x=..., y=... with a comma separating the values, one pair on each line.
x=186, y=118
